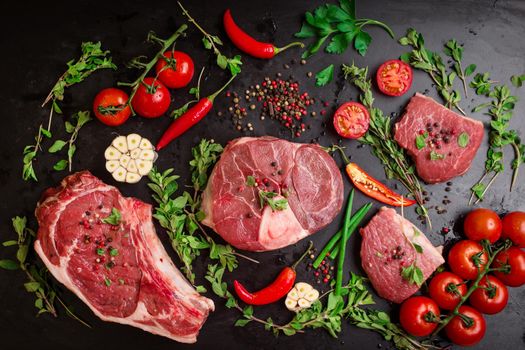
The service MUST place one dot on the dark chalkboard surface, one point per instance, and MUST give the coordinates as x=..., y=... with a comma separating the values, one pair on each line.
x=38, y=39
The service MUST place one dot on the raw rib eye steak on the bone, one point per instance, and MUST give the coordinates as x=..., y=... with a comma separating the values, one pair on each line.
x=304, y=173
x=122, y=272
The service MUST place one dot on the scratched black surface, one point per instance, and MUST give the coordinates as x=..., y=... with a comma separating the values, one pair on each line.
x=36, y=41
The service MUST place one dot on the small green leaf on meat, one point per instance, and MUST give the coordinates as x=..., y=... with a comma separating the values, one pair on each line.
x=421, y=141
x=413, y=274
x=463, y=140
x=436, y=156
x=250, y=181
x=114, y=218
x=418, y=248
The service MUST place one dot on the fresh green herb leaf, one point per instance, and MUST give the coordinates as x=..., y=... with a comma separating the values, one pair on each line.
x=114, y=218
x=250, y=181
x=60, y=165
x=463, y=139
x=421, y=141
x=471, y=68
x=412, y=274
x=324, y=76
x=100, y=251
x=337, y=24
x=113, y=252
x=517, y=80
x=436, y=156
x=269, y=198
x=57, y=146
x=9, y=264
x=418, y=248
x=482, y=84
x=107, y=281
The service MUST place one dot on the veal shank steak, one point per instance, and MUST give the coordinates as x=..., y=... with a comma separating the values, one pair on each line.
x=304, y=174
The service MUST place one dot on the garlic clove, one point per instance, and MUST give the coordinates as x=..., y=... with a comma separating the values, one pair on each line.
x=112, y=165
x=124, y=160
x=303, y=303
x=147, y=154
x=143, y=166
x=303, y=288
x=132, y=178
x=111, y=153
x=120, y=174
x=131, y=167
x=133, y=141
x=292, y=294
x=145, y=144
x=312, y=295
x=290, y=304
x=135, y=154
x=121, y=144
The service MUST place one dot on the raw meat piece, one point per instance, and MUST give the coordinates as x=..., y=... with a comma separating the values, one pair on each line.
x=438, y=163
x=122, y=272
x=388, y=246
x=304, y=172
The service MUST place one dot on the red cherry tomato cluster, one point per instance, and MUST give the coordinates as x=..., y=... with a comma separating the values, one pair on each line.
x=467, y=260
x=152, y=97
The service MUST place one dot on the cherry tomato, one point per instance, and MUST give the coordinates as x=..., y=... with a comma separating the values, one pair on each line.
x=351, y=120
x=467, y=329
x=111, y=106
x=176, y=70
x=446, y=289
x=491, y=297
x=394, y=77
x=482, y=224
x=152, y=99
x=419, y=316
x=515, y=258
x=466, y=257
x=514, y=228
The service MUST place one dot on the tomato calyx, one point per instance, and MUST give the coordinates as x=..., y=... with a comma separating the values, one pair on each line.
x=111, y=109
x=467, y=321
x=477, y=259
x=431, y=317
x=490, y=290
x=452, y=288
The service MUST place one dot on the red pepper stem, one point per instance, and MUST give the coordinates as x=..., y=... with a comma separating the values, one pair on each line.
x=212, y=97
x=310, y=246
x=295, y=43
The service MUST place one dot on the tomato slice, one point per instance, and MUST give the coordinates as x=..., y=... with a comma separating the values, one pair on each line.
x=375, y=189
x=351, y=120
x=394, y=77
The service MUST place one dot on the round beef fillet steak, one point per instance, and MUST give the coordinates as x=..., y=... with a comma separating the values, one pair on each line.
x=303, y=174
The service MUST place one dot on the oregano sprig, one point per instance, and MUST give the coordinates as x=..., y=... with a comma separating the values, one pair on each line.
x=455, y=51
x=432, y=63
x=38, y=281
x=212, y=42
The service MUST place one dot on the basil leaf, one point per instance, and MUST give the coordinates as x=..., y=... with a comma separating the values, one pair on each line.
x=463, y=140
x=421, y=141
x=436, y=156
x=57, y=146
x=60, y=165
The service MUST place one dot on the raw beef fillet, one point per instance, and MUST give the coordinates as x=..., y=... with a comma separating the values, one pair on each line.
x=122, y=272
x=447, y=141
x=304, y=173
x=388, y=246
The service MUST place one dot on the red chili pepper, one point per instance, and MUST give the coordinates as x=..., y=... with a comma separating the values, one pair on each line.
x=276, y=290
x=249, y=45
x=190, y=118
x=372, y=187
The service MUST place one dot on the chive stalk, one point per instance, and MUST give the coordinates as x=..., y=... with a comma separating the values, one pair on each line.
x=342, y=245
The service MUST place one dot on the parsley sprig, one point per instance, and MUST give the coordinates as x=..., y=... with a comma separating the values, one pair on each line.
x=78, y=120
x=92, y=59
x=339, y=23
x=328, y=315
x=181, y=216
x=38, y=281
x=432, y=63
x=500, y=109
x=380, y=138
x=212, y=42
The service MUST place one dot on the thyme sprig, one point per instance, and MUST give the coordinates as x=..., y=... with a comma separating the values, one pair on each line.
x=432, y=63
x=92, y=59
x=78, y=120
x=500, y=109
x=38, y=281
x=212, y=42
x=380, y=138
x=181, y=216
x=328, y=315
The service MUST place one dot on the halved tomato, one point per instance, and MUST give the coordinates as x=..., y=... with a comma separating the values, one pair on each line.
x=394, y=77
x=351, y=120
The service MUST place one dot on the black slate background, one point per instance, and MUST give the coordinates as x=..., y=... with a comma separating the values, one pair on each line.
x=37, y=40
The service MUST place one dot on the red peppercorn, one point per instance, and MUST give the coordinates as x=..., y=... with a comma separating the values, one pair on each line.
x=325, y=280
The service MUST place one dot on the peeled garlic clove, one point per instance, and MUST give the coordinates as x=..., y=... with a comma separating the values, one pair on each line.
x=121, y=144
x=304, y=304
x=312, y=295
x=147, y=154
x=124, y=160
x=145, y=144
x=112, y=153
x=290, y=304
x=135, y=154
x=132, y=178
x=133, y=141
x=132, y=167
x=120, y=174
x=292, y=294
x=112, y=165
x=143, y=166
x=303, y=288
